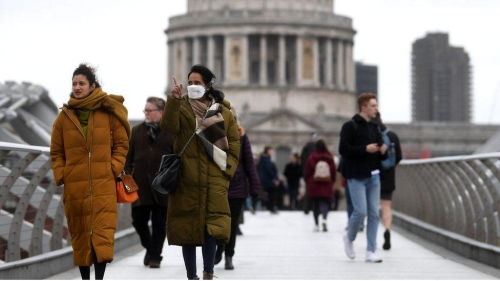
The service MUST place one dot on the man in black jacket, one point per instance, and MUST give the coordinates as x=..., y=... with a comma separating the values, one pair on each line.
x=362, y=149
x=147, y=145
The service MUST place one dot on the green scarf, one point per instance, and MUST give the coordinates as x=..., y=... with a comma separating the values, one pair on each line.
x=84, y=120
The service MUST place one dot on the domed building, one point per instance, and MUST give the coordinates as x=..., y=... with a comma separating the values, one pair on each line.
x=285, y=65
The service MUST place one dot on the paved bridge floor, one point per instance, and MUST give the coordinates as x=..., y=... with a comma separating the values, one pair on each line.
x=284, y=246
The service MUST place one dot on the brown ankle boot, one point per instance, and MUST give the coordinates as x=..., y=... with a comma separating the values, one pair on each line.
x=208, y=276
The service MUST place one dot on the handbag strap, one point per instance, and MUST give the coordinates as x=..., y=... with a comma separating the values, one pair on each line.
x=185, y=146
x=192, y=136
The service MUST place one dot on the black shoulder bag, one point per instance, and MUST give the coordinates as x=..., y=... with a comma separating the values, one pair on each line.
x=166, y=177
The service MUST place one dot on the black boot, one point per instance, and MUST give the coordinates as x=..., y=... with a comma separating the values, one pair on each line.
x=155, y=262
x=229, y=263
x=387, y=242
x=147, y=259
x=218, y=254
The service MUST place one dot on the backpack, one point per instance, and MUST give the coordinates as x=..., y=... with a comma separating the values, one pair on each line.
x=390, y=162
x=322, y=172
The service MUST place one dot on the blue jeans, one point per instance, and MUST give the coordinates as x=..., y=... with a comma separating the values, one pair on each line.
x=350, y=209
x=208, y=251
x=365, y=197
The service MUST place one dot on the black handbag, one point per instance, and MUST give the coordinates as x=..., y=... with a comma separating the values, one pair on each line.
x=166, y=178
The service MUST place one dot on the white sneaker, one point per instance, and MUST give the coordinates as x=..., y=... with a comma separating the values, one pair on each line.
x=316, y=228
x=348, y=247
x=372, y=257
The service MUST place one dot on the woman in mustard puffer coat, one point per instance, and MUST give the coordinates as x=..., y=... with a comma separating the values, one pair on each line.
x=87, y=157
x=198, y=210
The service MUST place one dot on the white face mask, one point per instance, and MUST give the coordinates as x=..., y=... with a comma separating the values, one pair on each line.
x=196, y=92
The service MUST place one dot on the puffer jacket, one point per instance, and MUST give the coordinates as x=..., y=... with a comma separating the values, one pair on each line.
x=245, y=174
x=88, y=169
x=200, y=201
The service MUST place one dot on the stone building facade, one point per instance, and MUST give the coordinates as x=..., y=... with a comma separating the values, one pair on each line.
x=268, y=54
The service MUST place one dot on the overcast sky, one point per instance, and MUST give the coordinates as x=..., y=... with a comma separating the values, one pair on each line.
x=44, y=41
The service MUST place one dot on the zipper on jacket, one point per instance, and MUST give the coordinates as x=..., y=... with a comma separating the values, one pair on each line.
x=90, y=177
x=81, y=132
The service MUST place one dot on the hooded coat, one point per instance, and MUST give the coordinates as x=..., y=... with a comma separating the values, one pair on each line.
x=200, y=201
x=88, y=168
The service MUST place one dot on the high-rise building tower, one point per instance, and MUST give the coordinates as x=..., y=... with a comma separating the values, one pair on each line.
x=366, y=79
x=440, y=80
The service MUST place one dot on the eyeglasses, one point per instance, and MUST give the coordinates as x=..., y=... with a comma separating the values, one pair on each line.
x=149, y=110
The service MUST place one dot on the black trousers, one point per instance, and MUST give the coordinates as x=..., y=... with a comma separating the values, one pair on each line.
x=208, y=252
x=320, y=205
x=152, y=242
x=236, y=207
x=272, y=198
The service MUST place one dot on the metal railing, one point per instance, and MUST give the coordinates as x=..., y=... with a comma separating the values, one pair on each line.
x=32, y=220
x=458, y=194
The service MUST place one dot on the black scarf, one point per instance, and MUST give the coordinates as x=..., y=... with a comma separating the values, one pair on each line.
x=153, y=130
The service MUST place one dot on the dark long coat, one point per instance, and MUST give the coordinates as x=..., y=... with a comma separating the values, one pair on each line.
x=143, y=161
x=200, y=201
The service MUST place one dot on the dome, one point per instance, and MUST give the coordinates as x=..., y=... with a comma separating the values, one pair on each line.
x=325, y=6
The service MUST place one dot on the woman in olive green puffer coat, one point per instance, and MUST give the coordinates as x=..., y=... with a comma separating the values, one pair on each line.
x=198, y=212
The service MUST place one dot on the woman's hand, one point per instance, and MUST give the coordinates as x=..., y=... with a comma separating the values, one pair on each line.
x=177, y=90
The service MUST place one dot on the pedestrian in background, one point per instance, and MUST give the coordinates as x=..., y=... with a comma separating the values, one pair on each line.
x=306, y=152
x=268, y=174
x=293, y=174
x=245, y=182
x=198, y=210
x=87, y=157
x=147, y=145
x=388, y=179
x=320, y=177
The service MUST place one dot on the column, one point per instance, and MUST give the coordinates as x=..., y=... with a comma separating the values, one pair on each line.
x=226, y=60
x=350, y=70
x=282, y=61
x=329, y=63
x=340, y=65
x=263, y=60
x=185, y=67
x=316, y=64
x=196, y=50
x=299, y=60
x=171, y=65
x=210, y=52
x=245, y=63
x=177, y=58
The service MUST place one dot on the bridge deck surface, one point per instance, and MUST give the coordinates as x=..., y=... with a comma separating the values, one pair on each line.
x=284, y=246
